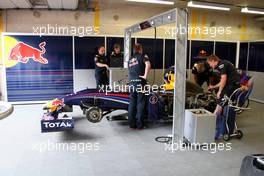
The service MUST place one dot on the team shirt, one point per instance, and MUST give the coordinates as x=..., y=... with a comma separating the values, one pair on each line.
x=137, y=66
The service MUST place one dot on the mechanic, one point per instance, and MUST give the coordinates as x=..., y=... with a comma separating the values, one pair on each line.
x=101, y=67
x=203, y=73
x=116, y=57
x=139, y=67
x=229, y=81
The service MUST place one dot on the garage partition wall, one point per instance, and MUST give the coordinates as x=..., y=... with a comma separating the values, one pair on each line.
x=251, y=59
x=71, y=62
x=200, y=50
x=169, y=53
x=85, y=48
x=226, y=51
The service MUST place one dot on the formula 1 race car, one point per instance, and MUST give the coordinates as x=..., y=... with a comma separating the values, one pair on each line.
x=96, y=104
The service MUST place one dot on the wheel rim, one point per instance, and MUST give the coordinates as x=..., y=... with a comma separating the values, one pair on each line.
x=95, y=115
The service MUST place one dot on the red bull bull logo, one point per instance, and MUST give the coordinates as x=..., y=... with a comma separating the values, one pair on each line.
x=22, y=52
x=57, y=102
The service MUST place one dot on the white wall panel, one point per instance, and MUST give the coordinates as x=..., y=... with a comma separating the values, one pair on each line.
x=55, y=4
x=84, y=78
x=258, y=93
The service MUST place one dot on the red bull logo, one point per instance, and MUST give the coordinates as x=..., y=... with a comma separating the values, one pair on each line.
x=57, y=102
x=202, y=53
x=22, y=52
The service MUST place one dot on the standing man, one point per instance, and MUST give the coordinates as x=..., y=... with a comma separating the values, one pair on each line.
x=101, y=68
x=139, y=67
x=117, y=57
x=229, y=81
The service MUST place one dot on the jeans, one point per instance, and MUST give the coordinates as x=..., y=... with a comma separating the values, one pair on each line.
x=136, y=109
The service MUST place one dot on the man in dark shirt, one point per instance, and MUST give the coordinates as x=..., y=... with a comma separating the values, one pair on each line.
x=101, y=68
x=116, y=57
x=229, y=82
x=139, y=67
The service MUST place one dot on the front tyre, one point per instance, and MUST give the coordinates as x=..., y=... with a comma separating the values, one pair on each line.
x=94, y=114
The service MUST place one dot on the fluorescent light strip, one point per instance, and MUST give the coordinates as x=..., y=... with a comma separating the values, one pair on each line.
x=205, y=5
x=252, y=10
x=153, y=1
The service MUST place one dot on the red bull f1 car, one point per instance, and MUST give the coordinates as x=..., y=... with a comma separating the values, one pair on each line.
x=96, y=104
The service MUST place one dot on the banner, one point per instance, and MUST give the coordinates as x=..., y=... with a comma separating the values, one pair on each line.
x=38, y=68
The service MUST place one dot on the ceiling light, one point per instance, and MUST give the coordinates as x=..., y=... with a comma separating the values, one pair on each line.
x=205, y=5
x=252, y=10
x=153, y=1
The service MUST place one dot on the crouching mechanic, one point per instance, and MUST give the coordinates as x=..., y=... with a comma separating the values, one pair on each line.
x=101, y=67
x=203, y=73
x=229, y=81
x=139, y=67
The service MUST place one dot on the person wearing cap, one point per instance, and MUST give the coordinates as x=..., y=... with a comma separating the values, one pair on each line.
x=202, y=73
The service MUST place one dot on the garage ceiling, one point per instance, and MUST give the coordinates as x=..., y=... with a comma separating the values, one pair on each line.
x=52, y=4
x=244, y=3
x=73, y=4
x=183, y=3
x=15, y=4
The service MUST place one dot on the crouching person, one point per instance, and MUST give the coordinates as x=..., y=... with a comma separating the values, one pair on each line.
x=139, y=67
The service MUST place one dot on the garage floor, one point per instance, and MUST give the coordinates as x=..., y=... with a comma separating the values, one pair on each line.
x=122, y=152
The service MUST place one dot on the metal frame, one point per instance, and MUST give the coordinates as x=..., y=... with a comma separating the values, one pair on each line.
x=178, y=16
x=237, y=54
